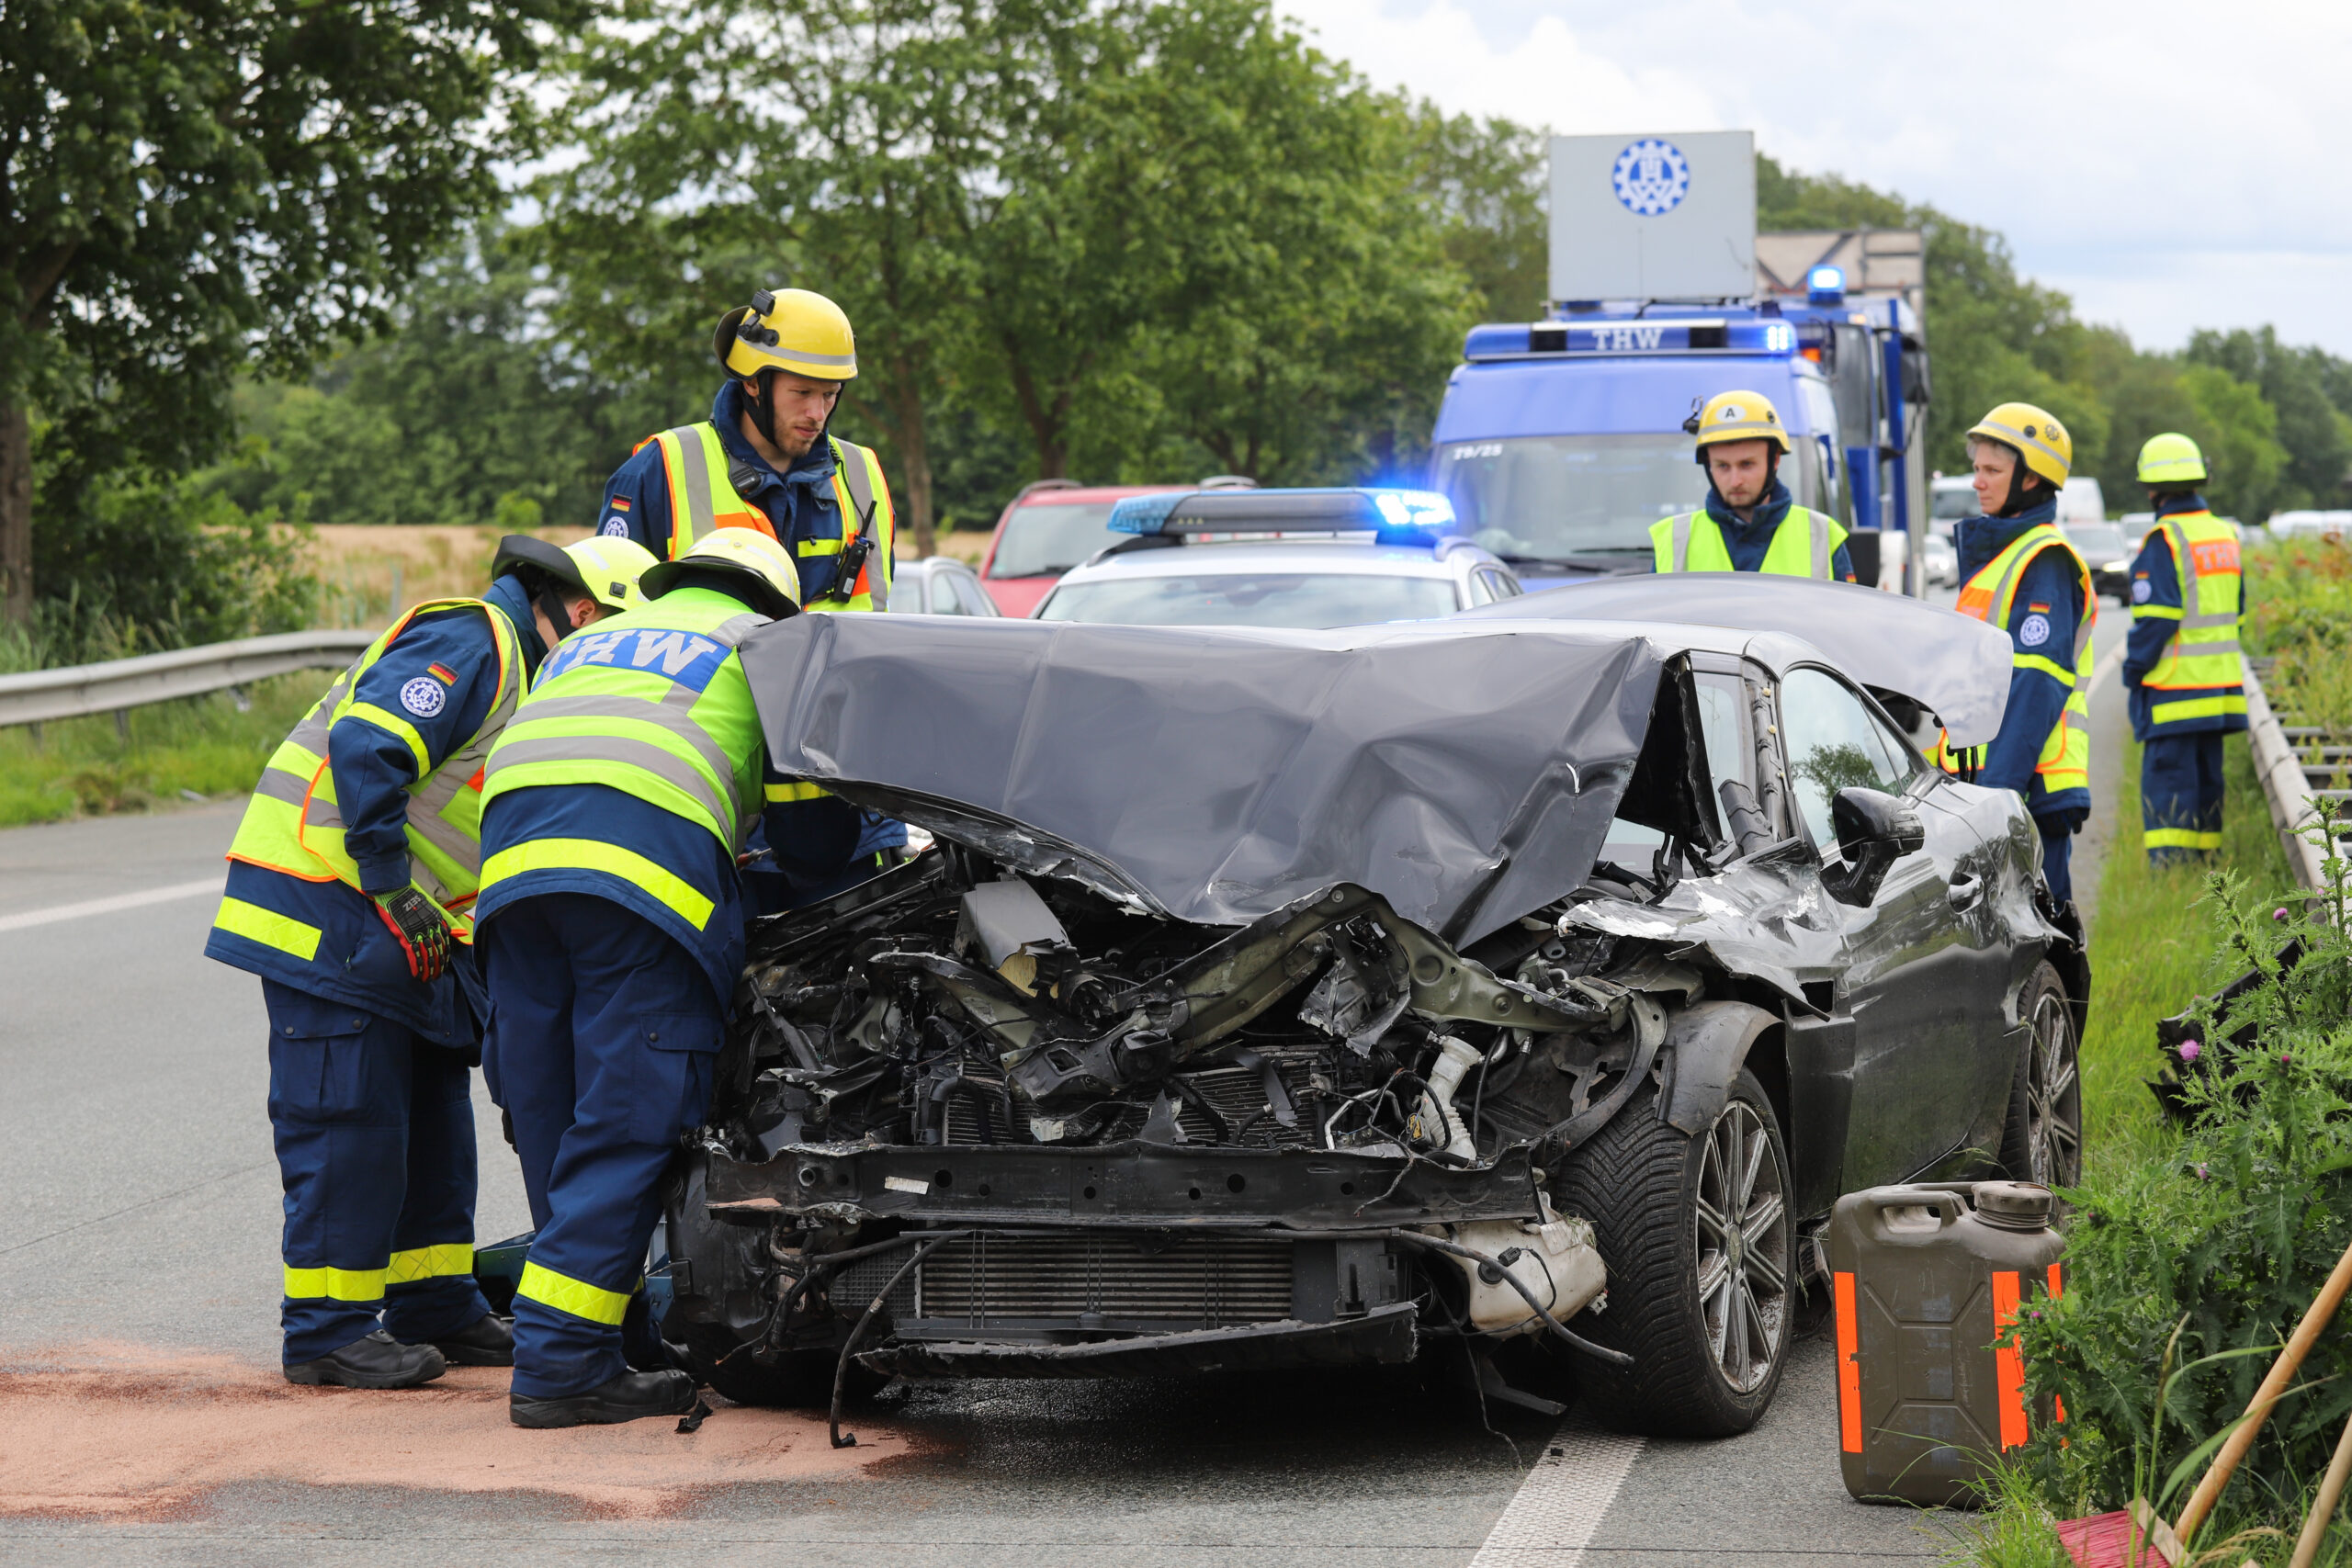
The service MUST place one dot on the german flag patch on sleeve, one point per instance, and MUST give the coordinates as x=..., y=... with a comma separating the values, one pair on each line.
x=442, y=674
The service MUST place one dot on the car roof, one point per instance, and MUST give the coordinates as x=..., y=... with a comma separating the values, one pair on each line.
x=1336, y=556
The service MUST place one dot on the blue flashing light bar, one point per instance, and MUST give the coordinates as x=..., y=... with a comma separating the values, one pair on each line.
x=1630, y=335
x=1393, y=516
x=1825, y=286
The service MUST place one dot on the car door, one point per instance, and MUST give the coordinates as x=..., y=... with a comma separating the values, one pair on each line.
x=1923, y=983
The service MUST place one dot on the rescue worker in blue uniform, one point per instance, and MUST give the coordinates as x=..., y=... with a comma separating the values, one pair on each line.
x=615, y=808
x=1751, y=523
x=350, y=875
x=2181, y=667
x=2020, y=573
x=767, y=459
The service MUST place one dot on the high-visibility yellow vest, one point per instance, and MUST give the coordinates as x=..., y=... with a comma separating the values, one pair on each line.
x=294, y=825
x=2203, y=654
x=1805, y=545
x=1990, y=595
x=703, y=497
x=653, y=703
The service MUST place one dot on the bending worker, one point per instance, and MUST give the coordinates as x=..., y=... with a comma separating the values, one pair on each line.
x=1751, y=524
x=2182, y=665
x=2018, y=572
x=767, y=459
x=612, y=925
x=349, y=881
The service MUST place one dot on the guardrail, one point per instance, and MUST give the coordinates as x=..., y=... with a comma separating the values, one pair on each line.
x=76, y=690
x=2285, y=784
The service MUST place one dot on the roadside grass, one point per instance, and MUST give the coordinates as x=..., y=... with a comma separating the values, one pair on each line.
x=2152, y=952
x=82, y=767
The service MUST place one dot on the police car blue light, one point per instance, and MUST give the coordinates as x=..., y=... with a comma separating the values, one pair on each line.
x=1421, y=509
x=1825, y=286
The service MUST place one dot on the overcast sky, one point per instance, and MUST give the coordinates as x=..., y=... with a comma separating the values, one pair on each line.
x=2170, y=167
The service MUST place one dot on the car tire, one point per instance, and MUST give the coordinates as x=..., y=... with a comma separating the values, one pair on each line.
x=2042, y=1139
x=1708, y=1324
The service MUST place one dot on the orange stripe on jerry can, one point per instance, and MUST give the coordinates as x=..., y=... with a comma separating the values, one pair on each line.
x=2057, y=1289
x=2009, y=1361
x=1849, y=1372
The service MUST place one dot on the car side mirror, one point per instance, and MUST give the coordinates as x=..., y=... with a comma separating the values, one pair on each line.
x=1874, y=830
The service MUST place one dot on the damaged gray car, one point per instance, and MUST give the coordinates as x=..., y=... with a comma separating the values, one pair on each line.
x=1272, y=998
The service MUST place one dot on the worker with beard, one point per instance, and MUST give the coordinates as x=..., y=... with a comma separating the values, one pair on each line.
x=1751, y=523
x=2020, y=573
x=766, y=459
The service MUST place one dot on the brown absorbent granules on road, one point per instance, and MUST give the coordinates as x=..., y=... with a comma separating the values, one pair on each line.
x=119, y=1430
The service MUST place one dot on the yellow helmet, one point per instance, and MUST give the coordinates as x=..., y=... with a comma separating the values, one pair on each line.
x=751, y=557
x=1736, y=416
x=606, y=569
x=2035, y=435
x=788, y=329
x=2171, y=459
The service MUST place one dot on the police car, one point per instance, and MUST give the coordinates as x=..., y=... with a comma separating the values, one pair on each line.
x=1307, y=558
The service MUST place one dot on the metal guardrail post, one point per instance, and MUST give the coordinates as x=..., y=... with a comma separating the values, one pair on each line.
x=77, y=690
x=2284, y=787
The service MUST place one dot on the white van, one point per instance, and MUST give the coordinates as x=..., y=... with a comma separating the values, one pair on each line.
x=2081, y=501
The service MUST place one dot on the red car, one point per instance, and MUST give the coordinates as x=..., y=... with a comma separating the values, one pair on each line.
x=1051, y=526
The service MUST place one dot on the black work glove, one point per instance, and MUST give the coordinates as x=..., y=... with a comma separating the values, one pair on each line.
x=418, y=926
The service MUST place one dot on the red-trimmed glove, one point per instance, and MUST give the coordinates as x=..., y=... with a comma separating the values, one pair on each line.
x=418, y=926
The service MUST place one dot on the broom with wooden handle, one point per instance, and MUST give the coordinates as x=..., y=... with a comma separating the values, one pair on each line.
x=2111, y=1540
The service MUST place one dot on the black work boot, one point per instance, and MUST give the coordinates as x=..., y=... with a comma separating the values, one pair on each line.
x=377, y=1361
x=487, y=1341
x=629, y=1397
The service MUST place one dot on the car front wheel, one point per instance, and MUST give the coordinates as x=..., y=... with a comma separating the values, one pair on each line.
x=1699, y=1246
x=2043, y=1139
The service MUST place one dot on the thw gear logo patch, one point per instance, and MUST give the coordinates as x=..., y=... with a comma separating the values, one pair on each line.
x=1651, y=177
x=2034, y=630
x=424, y=696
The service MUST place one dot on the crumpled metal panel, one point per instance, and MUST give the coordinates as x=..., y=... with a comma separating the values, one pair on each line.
x=1466, y=774
x=1953, y=665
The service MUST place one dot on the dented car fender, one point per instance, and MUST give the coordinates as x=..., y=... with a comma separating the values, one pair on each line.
x=1706, y=1046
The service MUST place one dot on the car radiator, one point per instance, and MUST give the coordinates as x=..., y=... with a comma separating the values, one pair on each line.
x=1047, y=1283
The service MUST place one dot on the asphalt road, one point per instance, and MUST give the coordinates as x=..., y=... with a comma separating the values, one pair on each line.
x=143, y=1422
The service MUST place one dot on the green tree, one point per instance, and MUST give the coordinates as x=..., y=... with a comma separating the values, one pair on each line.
x=468, y=401
x=2237, y=429
x=729, y=145
x=2310, y=427
x=1485, y=184
x=1994, y=336
x=1305, y=331
x=189, y=186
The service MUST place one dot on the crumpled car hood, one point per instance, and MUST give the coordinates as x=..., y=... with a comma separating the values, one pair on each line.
x=1955, y=667
x=1464, y=774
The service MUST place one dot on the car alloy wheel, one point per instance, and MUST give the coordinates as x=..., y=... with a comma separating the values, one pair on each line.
x=2053, y=1095
x=1740, y=1245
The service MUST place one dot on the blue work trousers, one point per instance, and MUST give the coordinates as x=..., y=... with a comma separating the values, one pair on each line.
x=2057, y=855
x=603, y=1035
x=2180, y=796
x=375, y=1133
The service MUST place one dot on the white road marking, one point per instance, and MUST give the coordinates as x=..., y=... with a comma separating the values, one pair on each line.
x=1561, y=1503
x=120, y=901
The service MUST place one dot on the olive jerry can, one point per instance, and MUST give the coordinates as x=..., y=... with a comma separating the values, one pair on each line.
x=1923, y=1279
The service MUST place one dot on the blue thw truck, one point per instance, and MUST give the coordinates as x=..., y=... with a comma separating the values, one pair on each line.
x=1560, y=441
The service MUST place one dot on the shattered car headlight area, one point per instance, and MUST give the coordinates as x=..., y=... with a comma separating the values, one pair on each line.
x=1256, y=1008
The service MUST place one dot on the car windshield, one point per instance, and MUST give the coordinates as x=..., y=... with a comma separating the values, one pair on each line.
x=1044, y=538
x=2101, y=537
x=1558, y=497
x=1952, y=505
x=1310, y=600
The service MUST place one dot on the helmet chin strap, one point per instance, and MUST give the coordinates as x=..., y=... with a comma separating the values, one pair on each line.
x=763, y=410
x=2015, y=503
